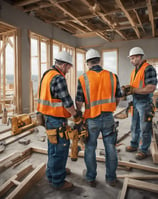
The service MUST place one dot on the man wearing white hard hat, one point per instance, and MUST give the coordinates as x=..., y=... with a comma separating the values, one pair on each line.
x=142, y=85
x=100, y=91
x=56, y=104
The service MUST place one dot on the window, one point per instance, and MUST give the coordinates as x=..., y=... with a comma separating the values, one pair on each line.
x=110, y=60
x=39, y=64
x=80, y=62
x=7, y=70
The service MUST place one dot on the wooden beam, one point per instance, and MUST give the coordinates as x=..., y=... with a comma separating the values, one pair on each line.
x=102, y=16
x=25, y=2
x=138, y=176
x=11, y=181
x=124, y=189
x=143, y=185
x=120, y=4
x=69, y=13
x=37, y=7
x=151, y=17
x=28, y=182
x=13, y=159
x=141, y=25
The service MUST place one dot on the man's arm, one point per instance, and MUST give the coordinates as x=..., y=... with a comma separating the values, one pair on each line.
x=118, y=93
x=79, y=97
x=146, y=90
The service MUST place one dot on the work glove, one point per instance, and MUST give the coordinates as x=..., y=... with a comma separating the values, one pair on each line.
x=127, y=90
x=78, y=120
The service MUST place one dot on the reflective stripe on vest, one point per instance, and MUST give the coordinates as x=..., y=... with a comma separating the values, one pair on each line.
x=48, y=103
x=137, y=81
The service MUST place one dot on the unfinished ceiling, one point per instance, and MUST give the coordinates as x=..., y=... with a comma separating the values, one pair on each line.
x=112, y=20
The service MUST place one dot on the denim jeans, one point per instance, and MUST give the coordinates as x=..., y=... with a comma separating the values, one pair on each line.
x=141, y=130
x=104, y=124
x=57, y=153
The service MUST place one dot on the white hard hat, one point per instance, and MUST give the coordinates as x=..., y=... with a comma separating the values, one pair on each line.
x=136, y=51
x=64, y=56
x=91, y=53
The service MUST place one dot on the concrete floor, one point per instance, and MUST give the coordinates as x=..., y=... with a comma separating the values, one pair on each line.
x=42, y=190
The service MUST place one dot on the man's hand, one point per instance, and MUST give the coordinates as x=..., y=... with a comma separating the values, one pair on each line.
x=127, y=90
x=78, y=120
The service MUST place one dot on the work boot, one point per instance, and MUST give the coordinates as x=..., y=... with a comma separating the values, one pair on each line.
x=67, y=186
x=112, y=183
x=68, y=171
x=92, y=183
x=131, y=149
x=140, y=155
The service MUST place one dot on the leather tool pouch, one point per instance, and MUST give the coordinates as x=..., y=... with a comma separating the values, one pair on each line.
x=40, y=119
x=52, y=136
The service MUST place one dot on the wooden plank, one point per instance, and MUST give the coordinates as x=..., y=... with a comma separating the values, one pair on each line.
x=5, y=135
x=17, y=137
x=124, y=189
x=39, y=150
x=138, y=176
x=10, y=182
x=154, y=147
x=16, y=157
x=5, y=130
x=28, y=182
x=102, y=159
x=138, y=166
x=138, y=184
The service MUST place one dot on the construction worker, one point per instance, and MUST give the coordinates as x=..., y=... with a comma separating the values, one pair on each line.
x=56, y=104
x=100, y=90
x=142, y=85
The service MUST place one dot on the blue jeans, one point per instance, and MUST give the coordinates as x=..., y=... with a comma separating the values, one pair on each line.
x=141, y=130
x=57, y=153
x=104, y=124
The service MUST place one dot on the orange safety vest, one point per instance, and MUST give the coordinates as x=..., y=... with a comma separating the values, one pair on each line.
x=99, y=91
x=46, y=104
x=137, y=81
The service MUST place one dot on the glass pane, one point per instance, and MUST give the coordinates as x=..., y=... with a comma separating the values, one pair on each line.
x=80, y=64
x=34, y=74
x=9, y=60
x=56, y=49
x=43, y=68
x=34, y=47
x=43, y=52
x=34, y=65
x=110, y=61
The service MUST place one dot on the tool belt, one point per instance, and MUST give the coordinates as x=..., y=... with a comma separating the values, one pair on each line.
x=63, y=132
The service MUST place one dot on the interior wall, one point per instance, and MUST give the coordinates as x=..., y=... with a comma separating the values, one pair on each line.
x=124, y=67
x=26, y=23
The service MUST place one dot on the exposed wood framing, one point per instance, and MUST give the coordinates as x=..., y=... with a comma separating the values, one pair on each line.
x=151, y=17
x=103, y=17
x=120, y=4
x=24, y=185
x=138, y=185
x=138, y=176
x=154, y=148
x=66, y=11
x=25, y=2
x=11, y=181
x=141, y=25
